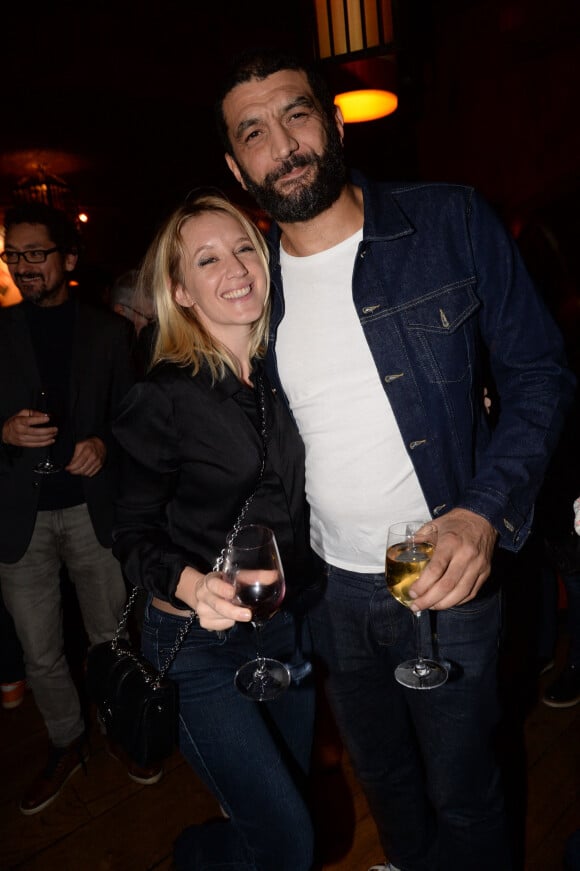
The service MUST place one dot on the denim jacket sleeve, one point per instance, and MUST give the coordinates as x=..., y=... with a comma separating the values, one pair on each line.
x=534, y=387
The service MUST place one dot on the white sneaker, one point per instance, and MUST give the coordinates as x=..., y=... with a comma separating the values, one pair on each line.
x=389, y=867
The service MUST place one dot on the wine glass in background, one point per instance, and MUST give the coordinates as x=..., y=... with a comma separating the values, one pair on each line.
x=252, y=564
x=46, y=466
x=410, y=545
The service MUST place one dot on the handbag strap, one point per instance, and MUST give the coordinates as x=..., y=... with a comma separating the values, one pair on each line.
x=261, y=397
x=185, y=627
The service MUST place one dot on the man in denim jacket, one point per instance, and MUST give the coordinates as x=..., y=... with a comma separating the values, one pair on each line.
x=394, y=307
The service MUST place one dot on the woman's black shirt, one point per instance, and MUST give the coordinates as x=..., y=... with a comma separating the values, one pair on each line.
x=192, y=456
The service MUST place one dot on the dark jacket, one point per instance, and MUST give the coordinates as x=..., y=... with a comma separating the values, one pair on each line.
x=101, y=373
x=192, y=457
x=445, y=304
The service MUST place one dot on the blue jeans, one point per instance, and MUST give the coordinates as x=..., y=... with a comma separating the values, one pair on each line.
x=32, y=594
x=253, y=756
x=424, y=758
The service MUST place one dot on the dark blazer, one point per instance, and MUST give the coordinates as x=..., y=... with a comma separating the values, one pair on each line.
x=192, y=458
x=101, y=373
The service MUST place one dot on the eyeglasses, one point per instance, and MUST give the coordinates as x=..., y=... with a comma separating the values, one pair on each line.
x=38, y=256
x=140, y=313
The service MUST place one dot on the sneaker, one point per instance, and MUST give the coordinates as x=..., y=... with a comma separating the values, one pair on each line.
x=144, y=776
x=565, y=691
x=388, y=867
x=12, y=694
x=62, y=764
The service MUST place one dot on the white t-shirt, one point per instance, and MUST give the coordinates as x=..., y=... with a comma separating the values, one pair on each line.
x=359, y=478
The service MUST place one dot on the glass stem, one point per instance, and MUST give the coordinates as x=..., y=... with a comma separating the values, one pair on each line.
x=261, y=664
x=420, y=668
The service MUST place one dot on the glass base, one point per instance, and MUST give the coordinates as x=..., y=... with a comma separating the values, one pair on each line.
x=262, y=679
x=47, y=468
x=421, y=675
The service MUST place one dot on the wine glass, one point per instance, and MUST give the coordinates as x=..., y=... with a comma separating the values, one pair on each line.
x=410, y=545
x=252, y=564
x=46, y=466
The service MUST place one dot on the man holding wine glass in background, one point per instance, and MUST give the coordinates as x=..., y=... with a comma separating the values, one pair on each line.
x=393, y=308
x=64, y=366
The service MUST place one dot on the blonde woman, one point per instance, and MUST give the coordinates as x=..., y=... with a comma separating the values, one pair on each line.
x=191, y=433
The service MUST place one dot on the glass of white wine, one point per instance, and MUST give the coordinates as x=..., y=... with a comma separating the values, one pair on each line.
x=410, y=545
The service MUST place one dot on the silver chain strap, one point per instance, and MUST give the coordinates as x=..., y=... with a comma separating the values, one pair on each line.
x=185, y=627
x=263, y=433
x=183, y=630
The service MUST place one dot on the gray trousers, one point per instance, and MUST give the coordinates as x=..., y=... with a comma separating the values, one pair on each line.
x=32, y=595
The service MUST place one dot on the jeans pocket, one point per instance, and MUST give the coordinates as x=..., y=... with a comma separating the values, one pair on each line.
x=468, y=635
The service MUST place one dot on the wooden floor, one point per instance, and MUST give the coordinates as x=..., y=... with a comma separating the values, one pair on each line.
x=105, y=822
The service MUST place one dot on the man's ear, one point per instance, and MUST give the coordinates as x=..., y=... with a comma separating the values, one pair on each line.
x=339, y=121
x=183, y=297
x=234, y=168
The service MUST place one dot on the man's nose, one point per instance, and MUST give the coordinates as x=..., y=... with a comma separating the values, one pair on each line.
x=283, y=143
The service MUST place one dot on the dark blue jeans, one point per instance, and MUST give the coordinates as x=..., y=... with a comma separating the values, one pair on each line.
x=424, y=758
x=253, y=756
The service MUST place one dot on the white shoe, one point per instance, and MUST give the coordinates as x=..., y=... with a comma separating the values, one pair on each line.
x=389, y=867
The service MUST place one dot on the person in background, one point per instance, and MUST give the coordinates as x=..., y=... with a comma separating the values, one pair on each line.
x=562, y=561
x=128, y=299
x=193, y=432
x=393, y=304
x=57, y=357
x=125, y=300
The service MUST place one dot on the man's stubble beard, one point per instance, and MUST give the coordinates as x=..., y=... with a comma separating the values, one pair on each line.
x=40, y=293
x=308, y=200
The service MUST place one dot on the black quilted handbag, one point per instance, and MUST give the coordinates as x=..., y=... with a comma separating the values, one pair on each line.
x=137, y=704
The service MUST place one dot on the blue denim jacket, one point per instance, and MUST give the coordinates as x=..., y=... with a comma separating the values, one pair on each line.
x=445, y=302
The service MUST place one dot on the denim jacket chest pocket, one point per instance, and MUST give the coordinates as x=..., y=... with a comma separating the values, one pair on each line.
x=441, y=327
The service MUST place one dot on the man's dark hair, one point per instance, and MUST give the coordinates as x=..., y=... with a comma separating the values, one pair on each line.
x=61, y=228
x=259, y=64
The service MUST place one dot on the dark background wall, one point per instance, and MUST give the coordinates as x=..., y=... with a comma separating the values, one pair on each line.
x=116, y=99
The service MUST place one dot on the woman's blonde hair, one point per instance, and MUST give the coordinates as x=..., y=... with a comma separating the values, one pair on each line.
x=181, y=337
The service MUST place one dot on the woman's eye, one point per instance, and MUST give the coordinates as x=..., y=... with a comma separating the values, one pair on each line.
x=206, y=261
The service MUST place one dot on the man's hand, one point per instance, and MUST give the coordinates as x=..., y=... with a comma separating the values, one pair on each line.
x=88, y=458
x=460, y=564
x=24, y=430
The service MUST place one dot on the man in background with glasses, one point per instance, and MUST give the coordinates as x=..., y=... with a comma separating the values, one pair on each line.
x=57, y=355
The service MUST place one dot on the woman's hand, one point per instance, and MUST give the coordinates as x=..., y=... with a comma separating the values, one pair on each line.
x=211, y=597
